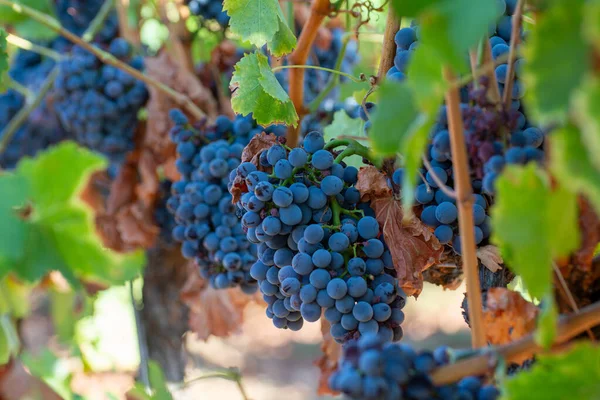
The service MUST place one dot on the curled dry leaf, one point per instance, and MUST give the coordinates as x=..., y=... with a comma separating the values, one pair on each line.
x=449, y=276
x=251, y=154
x=507, y=316
x=490, y=257
x=213, y=312
x=328, y=362
x=169, y=72
x=414, y=248
x=589, y=224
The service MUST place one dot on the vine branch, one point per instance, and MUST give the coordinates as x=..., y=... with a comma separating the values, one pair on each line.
x=392, y=25
x=319, y=10
x=512, y=54
x=464, y=202
x=105, y=57
x=569, y=327
x=30, y=46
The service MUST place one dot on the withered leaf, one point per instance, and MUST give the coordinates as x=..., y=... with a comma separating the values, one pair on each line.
x=490, y=257
x=372, y=184
x=328, y=362
x=165, y=70
x=589, y=224
x=507, y=316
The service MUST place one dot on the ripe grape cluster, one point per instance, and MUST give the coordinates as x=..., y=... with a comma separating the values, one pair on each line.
x=42, y=127
x=315, y=80
x=319, y=249
x=207, y=224
x=209, y=10
x=372, y=368
x=76, y=16
x=99, y=103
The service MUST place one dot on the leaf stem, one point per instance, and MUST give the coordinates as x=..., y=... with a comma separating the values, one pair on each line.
x=14, y=124
x=464, y=201
x=333, y=81
x=392, y=25
x=19, y=88
x=336, y=210
x=569, y=327
x=335, y=143
x=98, y=21
x=333, y=71
x=30, y=46
x=105, y=57
x=512, y=54
x=319, y=10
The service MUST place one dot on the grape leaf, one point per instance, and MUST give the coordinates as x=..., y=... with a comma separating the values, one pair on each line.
x=342, y=124
x=46, y=226
x=10, y=17
x=9, y=339
x=257, y=91
x=401, y=129
x=571, y=375
x=261, y=22
x=550, y=80
x=533, y=224
x=572, y=165
x=3, y=60
x=546, y=323
x=452, y=27
x=51, y=370
x=586, y=109
x=425, y=77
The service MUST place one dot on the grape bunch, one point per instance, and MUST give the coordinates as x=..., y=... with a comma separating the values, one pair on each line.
x=319, y=249
x=207, y=224
x=372, y=368
x=315, y=80
x=209, y=10
x=76, y=16
x=41, y=127
x=99, y=103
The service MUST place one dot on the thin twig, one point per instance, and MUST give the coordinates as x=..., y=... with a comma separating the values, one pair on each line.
x=19, y=88
x=441, y=185
x=569, y=327
x=30, y=46
x=98, y=21
x=320, y=9
x=105, y=57
x=14, y=124
x=392, y=25
x=569, y=295
x=515, y=37
x=331, y=70
x=464, y=202
x=229, y=375
x=142, y=343
x=333, y=80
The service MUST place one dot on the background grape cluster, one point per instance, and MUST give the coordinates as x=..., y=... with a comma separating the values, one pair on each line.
x=372, y=368
x=206, y=220
x=209, y=10
x=99, y=103
x=319, y=249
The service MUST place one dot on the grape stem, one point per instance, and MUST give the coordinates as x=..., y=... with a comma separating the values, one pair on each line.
x=353, y=148
x=512, y=54
x=392, y=25
x=30, y=46
x=464, y=202
x=336, y=210
x=230, y=375
x=19, y=88
x=569, y=327
x=105, y=57
x=335, y=143
x=441, y=185
x=333, y=71
x=319, y=10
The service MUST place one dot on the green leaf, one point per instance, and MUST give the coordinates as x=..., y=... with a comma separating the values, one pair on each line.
x=261, y=22
x=425, y=77
x=452, y=27
x=3, y=60
x=343, y=124
x=572, y=165
x=533, y=224
x=546, y=324
x=9, y=339
x=10, y=17
x=571, y=375
x=258, y=92
x=33, y=30
x=586, y=108
x=50, y=369
x=399, y=127
x=551, y=80
x=158, y=386
x=46, y=226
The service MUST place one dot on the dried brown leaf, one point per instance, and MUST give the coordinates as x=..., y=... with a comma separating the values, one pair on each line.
x=589, y=224
x=165, y=70
x=257, y=144
x=414, y=248
x=328, y=362
x=136, y=226
x=148, y=188
x=372, y=184
x=446, y=275
x=490, y=257
x=213, y=312
x=507, y=316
